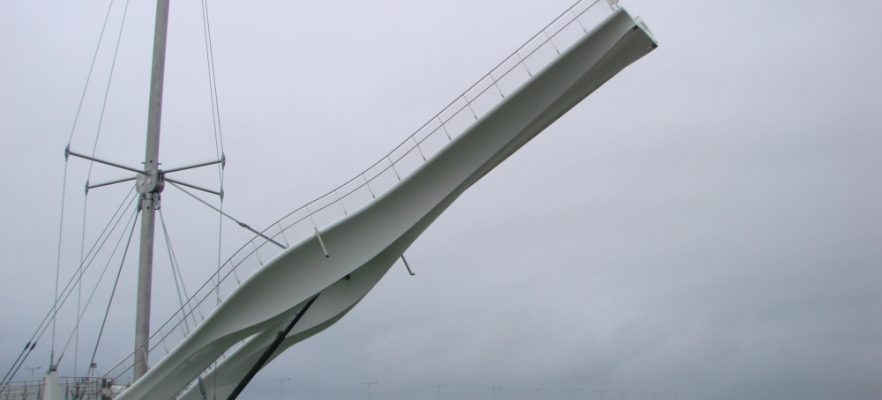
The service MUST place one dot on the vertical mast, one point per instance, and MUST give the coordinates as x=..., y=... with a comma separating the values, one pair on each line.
x=149, y=186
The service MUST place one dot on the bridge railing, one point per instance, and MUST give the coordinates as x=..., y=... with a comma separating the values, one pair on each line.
x=80, y=388
x=384, y=174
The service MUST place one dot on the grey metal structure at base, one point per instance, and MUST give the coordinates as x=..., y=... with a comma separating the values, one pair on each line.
x=345, y=260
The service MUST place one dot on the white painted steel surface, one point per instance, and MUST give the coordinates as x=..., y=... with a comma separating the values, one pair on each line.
x=51, y=388
x=366, y=243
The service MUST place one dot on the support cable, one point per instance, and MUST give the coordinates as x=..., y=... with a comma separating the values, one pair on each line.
x=47, y=318
x=107, y=87
x=58, y=263
x=70, y=139
x=115, y=284
x=173, y=263
x=80, y=284
x=220, y=226
x=100, y=278
x=17, y=367
x=91, y=69
x=119, y=368
x=212, y=74
x=11, y=367
x=218, y=134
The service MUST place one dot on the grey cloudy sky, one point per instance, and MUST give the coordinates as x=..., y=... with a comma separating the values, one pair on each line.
x=707, y=223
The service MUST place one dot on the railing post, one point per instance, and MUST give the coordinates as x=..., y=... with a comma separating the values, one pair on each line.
x=317, y=235
x=395, y=170
x=282, y=232
x=469, y=104
x=444, y=127
x=368, y=184
x=548, y=39
x=418, y=148
x=579, y=21
x=522, y=62
x=256, y=253
x=496, y=85
x=339, y=200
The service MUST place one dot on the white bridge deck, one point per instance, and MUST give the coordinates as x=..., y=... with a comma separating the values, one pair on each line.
x=355, y=233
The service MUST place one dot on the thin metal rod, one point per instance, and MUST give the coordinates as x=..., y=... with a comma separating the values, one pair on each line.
x=368, y=184
x=321, y=242
x=407, y=265
x=23, y=351
x=522, y=62
x=339, y=200
x=548, y=40
x=68, y=151
x=192, y=186
x=469, y=103
x=280, y=336
x=418, y=148
x=576, y=18
x=150, y=200
x=395, y=170
x=98, y=185
x=203, y=164
x=122, y=263
x=240, y=223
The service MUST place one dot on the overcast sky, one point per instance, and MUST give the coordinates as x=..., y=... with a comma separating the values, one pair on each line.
x=707, y=223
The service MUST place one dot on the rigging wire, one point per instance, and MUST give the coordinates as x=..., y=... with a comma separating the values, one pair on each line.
x=240, y=223
x=122, y=367
x=212, y=76
x=218, y=133
x=219, y=152
x=100, y=277
x=92, y=164
x=218, y=139
x=47, y=318
x=86, y=85
x=70, y=139
x=80, y=284
x=173, y=263
x=78, y=276
x=58, y=262
x=220, y=225
x=8, y=372
x=79, y=273
x=107, y=87
x=197, y=311
x=91, y=69
x=64, y=183
x=115, y=283
x=161, y=334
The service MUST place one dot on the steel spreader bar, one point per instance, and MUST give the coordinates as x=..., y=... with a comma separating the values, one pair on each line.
x=222, y=162
x=192, y=186
x=113, y=182
x=240, y=223
x=68, y=152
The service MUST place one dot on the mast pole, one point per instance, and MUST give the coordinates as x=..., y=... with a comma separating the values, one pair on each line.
x=150, y=185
